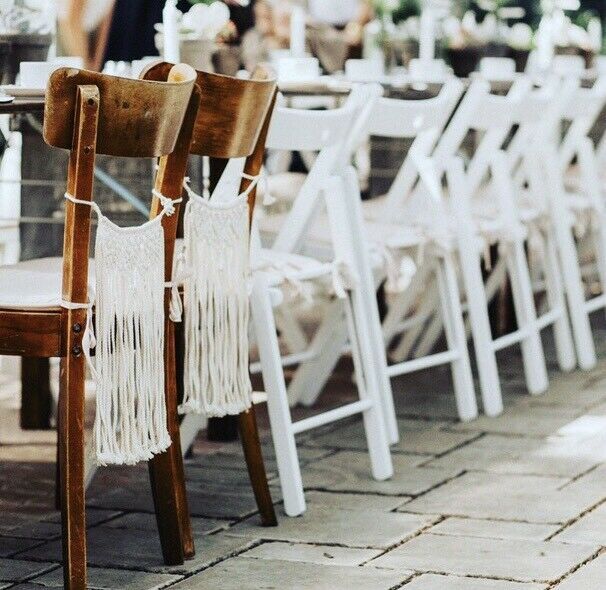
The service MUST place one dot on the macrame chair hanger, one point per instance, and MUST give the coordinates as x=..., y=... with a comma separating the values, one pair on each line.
x=130, y=422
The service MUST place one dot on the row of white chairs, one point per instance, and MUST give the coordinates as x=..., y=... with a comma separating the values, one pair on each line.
x=332, y=250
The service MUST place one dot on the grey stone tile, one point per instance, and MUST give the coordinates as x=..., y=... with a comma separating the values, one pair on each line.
x=537, y=499
x=416, y=436
x=260, y=574
x=208, y=502
x=140, y=550
x=591, y=528
x=321, y=524
x=11, y=545
x=589, y=577
x=493, y=529
x=354, y=501
x=111, y=579
x=523, y=420
x=530, y=561
x=37, y=530
x=322, y=554
x=438, y=582
x=18, y=570
x=567, y=456
x=142, y=521
x=231, y=457
x=350, y=471
x=93, y=516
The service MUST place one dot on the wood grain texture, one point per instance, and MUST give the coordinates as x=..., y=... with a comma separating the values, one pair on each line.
x=232, y=122
x=136, y=119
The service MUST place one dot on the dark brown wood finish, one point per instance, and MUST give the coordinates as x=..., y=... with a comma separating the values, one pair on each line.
x=232, y=122
x=89, y=113
x=166, y=470
x=36, y=397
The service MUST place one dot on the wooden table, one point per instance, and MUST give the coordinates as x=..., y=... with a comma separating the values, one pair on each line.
x=34, y=104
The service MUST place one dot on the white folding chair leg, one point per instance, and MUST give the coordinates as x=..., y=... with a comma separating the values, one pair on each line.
x=592, y=185
x=455, y=335
x=535, y=368
x=277, y=400
x=188, y=430
x=362, y=354
x=430, y=336
x=426, y=309
x=290, y=330
x=598, y=237
x=474, y=287
x=329, y=342
x=556, y=301
x=350, y=204
x=571, y=272
x=368, y=351
x=402, y=302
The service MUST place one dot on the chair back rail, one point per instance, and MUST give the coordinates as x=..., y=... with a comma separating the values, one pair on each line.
x=221, y=129
x=136, y=119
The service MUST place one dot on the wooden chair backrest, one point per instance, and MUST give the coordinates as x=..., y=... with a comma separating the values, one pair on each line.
x=90, y=113
x=232, y=120
x=136, y=119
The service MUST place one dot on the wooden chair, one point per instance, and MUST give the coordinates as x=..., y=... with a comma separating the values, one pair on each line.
x=232, y=122
x=89, y=113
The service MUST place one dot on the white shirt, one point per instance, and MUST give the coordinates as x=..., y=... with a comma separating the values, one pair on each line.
x=333, y=12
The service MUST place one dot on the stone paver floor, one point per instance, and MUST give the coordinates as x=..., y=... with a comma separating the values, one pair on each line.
x=512, y=503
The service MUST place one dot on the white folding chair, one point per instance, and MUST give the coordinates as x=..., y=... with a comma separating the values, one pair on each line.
x=422, y=121
x=520, y=210
x=569, y=206
x=279, y=266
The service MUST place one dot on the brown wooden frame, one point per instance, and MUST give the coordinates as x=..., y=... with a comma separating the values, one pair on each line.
x=232, y=122
x=90, y=113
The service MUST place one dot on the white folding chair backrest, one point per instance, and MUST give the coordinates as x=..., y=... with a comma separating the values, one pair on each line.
x=364, y=70
x=581, y=111
x=481, y=111
x=325, y=132
x=419, y=120
x=497, y=68
x=433, y=70
x=568, y=65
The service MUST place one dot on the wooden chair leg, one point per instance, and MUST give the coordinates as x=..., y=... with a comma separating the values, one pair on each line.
x=167, y=478
x=251, y=445
x=71, y=470
x=35, y=394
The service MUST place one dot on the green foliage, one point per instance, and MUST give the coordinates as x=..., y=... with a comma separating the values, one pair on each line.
x=407, y=9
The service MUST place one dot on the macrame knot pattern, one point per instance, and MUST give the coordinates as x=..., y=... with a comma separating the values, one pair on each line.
x=216, y=377
x=130, y=422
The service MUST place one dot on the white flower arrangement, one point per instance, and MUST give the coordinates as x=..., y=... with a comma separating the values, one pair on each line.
x=202, y=21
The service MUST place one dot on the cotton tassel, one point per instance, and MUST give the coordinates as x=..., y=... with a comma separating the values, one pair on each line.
x=217, y=381
x=130, y=424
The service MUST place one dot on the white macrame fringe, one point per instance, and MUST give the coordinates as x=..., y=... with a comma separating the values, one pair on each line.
x=217, y=380
x=131, y=421
x=130, y=425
